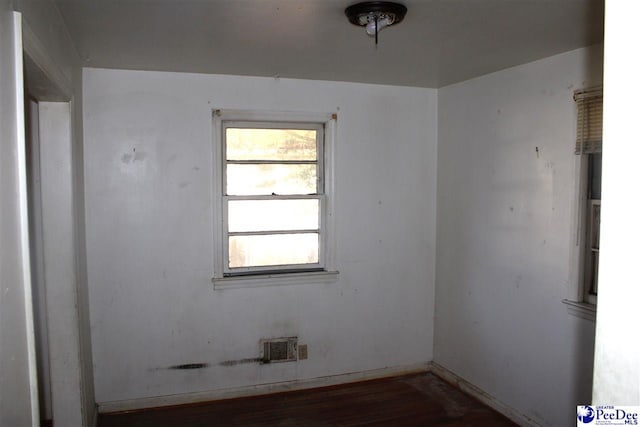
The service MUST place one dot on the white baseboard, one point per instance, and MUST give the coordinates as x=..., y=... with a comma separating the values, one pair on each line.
x=254, y=390
x=484, y=397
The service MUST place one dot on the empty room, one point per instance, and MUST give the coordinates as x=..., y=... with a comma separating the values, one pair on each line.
x=317, y=212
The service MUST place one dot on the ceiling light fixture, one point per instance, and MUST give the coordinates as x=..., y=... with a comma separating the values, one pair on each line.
x=375, y=15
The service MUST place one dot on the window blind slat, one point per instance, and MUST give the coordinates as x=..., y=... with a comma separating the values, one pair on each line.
x=589, y=123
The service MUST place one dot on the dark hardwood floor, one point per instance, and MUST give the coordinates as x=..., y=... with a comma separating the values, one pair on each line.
x=409, y=400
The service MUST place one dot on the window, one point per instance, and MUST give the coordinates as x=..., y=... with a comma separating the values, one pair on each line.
x=589, y=147
x=273, y=193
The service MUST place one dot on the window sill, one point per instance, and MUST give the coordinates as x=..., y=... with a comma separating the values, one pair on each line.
x=274, y=280
x=581, y=309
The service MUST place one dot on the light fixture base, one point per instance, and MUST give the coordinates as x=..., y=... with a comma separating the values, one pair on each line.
x=375, y=15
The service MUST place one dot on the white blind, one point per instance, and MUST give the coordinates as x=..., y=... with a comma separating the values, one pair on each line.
x=589, y=131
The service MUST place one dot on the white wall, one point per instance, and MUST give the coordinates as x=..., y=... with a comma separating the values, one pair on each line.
x=617, y=355
x=148, y=151
x=506, y=236
x=18, y=386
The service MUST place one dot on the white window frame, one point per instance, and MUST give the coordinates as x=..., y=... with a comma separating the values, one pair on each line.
x=581, y=303
x=585, y=230
x=324, y=270
x=591, y=249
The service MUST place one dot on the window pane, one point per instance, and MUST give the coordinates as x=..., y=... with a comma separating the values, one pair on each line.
x=265, y=179
x=595, y=176
x=273, y=249
x=271, y=144
x=273, y=215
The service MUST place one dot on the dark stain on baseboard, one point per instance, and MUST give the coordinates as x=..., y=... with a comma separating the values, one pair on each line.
x=190, y=366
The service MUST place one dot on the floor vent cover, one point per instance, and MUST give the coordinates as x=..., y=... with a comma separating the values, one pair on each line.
x=279, y=350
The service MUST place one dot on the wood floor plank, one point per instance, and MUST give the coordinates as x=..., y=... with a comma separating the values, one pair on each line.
x=408, y=400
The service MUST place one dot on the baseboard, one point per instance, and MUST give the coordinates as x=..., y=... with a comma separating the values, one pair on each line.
x=255, y=390
x=482, y=396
